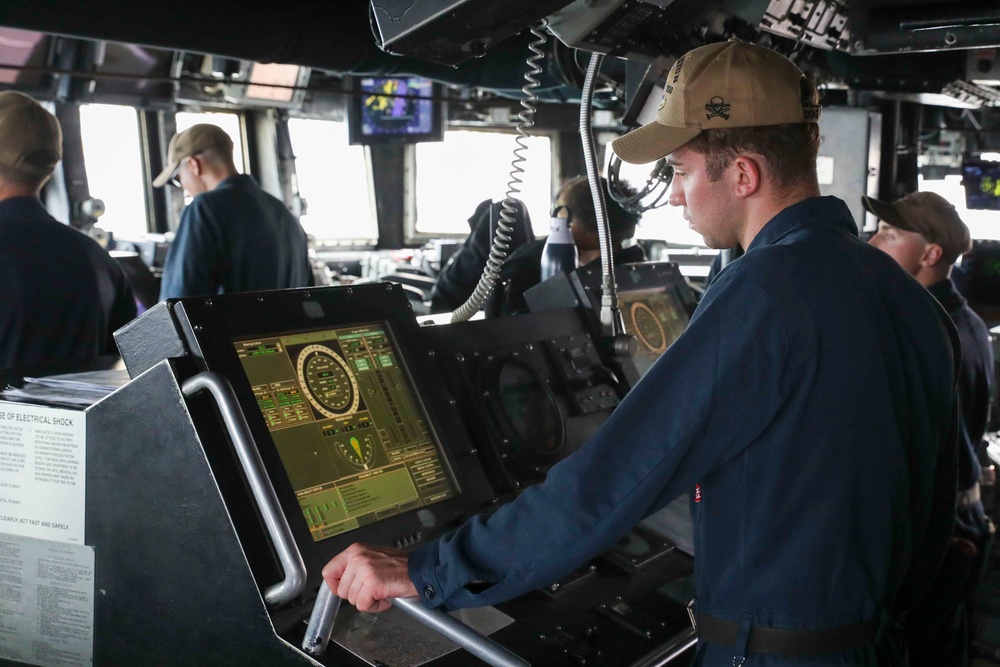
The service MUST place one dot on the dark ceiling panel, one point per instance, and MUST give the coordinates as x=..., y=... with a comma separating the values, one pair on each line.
x=329, y=35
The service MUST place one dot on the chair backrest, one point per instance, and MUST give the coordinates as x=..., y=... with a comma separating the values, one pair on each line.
x=145, y=285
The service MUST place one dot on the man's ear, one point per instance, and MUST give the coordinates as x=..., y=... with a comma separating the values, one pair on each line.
x=932, y=255
x=195, y=165
x=747, y=176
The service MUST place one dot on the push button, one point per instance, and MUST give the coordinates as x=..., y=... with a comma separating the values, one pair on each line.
x=429, y=592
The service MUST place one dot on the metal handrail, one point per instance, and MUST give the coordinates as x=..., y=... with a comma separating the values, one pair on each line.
x=260, y=485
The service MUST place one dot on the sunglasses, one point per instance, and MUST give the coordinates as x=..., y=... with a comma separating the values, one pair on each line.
x=175, y=179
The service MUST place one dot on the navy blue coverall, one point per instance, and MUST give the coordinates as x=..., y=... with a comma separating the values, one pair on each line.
x=61, y=294
x=808, y=407
x=937, y=630
x=236, y=238
x=975, y=386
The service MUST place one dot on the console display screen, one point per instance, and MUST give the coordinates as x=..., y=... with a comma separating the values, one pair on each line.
x=343, y=414
x=656, y=318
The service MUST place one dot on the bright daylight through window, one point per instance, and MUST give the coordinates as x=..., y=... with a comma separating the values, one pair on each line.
x=454, y=175
x=113, y=161
x=333, y=179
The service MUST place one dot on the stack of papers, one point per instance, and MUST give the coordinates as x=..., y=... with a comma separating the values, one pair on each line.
x=71, y=390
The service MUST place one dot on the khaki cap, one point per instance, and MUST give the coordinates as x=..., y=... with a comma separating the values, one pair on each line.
x=192, y=141
x=718, y=86
x=928, y=214
x=30, y=137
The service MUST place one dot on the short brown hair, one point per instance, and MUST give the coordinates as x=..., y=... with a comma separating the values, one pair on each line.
x=17, y=177
x=789, y=150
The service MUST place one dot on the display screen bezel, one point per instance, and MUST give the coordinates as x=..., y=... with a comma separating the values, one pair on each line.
x=359, y=136
x=637, y=277
x=627, y=299
x=422, y=410
x=212, y=324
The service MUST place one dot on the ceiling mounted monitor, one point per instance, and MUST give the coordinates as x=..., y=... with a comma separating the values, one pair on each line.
x=395, y=110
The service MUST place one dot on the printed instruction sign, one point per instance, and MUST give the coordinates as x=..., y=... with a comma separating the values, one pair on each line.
x=46, y=602
x=43, y=458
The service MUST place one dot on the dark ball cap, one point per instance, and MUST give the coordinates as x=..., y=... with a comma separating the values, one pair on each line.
x=928, y=214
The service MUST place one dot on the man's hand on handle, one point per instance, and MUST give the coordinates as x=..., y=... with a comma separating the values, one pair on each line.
x=368, y=576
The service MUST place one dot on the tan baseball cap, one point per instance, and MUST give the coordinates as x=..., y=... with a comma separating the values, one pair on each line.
x=30, y=137
x=192, y=141
x=717, y=86
x=928, y=214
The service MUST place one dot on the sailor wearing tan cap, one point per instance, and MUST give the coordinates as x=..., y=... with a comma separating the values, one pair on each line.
x=61, y=294
x=801, y=409
x=925, y=235
x=233, y=236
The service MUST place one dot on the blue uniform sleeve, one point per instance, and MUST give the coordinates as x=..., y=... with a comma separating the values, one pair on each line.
x=191, y=265
x=705, y=400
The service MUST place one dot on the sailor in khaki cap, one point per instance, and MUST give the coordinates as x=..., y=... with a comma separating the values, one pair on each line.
x=233, y=236
x=61, y=294
x=800, y=410
x=733, y=86
x=32, y=138
x=925, y=235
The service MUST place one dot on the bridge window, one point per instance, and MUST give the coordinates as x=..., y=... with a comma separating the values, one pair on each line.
x=113, y=162
x=229, y=122
x=454, y=175
x=335, y=182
